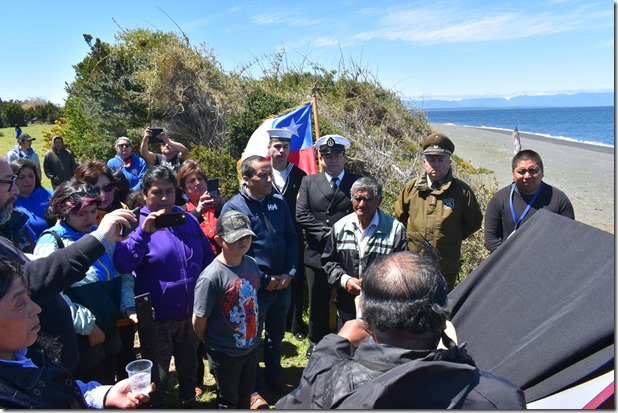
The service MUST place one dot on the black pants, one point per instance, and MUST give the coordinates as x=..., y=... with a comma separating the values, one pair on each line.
x=295, y=322
x=319, y=299
x=235, y=377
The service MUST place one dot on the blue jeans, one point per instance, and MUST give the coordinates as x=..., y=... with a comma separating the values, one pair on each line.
x=272, y=313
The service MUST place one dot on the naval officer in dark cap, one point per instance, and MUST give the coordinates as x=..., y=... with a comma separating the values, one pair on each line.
x=323, y=199
x=439, y=208
x=286, y=181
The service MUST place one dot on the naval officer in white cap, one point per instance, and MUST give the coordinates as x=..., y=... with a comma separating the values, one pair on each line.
x=323, y=199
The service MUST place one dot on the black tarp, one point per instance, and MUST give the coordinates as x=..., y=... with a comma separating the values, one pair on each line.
x=540, y=310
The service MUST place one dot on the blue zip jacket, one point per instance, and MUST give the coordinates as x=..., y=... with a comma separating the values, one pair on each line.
x=138, y=169
x=275, y=247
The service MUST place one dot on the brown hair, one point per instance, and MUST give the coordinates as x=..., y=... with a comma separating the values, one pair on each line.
x=90, y=171
x=187, y=168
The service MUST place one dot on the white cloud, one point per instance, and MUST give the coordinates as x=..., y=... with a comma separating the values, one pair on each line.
x=438, y=24
x=284, y=18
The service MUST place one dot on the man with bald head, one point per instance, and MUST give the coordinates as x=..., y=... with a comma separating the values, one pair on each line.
x=390, y=359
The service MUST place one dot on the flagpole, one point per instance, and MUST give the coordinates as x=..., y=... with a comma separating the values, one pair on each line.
x=314, y=101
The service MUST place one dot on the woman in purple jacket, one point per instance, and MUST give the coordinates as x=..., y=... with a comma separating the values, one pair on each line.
x=166, y=263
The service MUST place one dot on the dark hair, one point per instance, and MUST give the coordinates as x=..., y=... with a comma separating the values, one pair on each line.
x=123, y=186
x=135, y=199
x=525, y=155
x=90, y=171
x=187, y=168
x=155, y=174
x=367, y=183
x=246, y=167
x=73, y=196
x=9, y=270
x=405, y=291
x=21, y=163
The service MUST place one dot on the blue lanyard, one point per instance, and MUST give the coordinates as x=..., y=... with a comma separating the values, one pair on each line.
x=523, y=214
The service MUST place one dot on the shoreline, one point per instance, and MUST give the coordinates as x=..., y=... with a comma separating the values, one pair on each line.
x=584, y=171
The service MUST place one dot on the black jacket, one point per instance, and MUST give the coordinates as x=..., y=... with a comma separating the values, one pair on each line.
x=48, y=387
x=47, y=277
x=318, y=208
x=385, y=377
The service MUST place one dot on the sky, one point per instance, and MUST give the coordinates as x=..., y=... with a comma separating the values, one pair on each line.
x=419, y=49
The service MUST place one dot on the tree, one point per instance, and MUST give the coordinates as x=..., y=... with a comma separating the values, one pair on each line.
x=13, y=114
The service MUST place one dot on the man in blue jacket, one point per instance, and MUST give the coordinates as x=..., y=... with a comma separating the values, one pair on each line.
x=275, y=248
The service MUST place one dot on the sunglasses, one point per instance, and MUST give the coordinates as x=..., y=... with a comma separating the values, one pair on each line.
x=109, y=187
x=92, y=193
x=9, y=182
x=125, y=145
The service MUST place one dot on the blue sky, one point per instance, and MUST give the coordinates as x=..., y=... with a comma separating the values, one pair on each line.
x=419, y=49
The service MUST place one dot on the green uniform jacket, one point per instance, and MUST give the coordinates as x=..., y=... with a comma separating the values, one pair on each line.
x=443, y=216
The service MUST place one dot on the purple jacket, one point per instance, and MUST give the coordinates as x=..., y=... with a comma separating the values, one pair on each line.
x=166, y=263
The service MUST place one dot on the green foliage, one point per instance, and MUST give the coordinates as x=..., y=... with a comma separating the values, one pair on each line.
x=12, y=114
x=218, y=163
x=258, y=106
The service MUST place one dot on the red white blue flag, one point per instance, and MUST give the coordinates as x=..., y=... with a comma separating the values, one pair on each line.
x=298, y=121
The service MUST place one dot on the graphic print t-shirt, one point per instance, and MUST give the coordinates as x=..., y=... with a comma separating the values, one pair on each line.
x=227, y=296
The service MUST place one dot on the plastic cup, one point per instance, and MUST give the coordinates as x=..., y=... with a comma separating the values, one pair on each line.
x=139, y=372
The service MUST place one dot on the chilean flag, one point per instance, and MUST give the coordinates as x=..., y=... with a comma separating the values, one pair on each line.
x=298, y=121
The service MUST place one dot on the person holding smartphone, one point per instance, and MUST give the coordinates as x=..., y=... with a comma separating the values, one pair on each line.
x=103, y=296
x=172, y=155
x=203, y=204
x=166, y=262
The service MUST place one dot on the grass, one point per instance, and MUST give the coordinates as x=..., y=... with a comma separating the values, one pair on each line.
x=293, y=361
x=8, y=141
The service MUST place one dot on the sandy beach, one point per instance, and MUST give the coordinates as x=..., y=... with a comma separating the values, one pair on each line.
x=584, y=172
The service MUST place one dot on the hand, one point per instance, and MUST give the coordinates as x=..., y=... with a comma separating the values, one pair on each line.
x=148, y=224
x=147, y=134
x=206, y=202
x=96, y=336
x=353, y=286
x=110, y=222
x=355, y=331
x=131, y=315
x=284, y=281
x=164, y=138
x=219, y=201
x=121, y=397
x=273, y=284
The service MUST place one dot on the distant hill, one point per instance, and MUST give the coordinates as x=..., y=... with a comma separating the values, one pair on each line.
x=523, y=101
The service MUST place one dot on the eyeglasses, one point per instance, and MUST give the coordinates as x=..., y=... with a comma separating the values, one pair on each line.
x=109, y=187
x=10, y=182
x=92, y=193
x=124, y=145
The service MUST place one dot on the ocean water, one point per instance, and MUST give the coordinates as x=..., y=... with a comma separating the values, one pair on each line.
x=593, y=125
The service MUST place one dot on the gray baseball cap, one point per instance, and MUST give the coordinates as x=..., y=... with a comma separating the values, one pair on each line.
x=233, y=225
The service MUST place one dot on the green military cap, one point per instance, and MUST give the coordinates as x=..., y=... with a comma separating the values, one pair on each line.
x=438, y=143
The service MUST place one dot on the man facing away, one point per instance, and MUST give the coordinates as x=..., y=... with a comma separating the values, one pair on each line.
x=355, y=241
x=58, y=163
x=439, y=208
x=275, y=248
x=323, y=199
x=286, y=182
x=390, y=359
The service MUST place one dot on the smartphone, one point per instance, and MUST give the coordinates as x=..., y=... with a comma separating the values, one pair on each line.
x=153, y=135
x=126, y=231
x=170, y=220
x=143, y=308
x=213, y=186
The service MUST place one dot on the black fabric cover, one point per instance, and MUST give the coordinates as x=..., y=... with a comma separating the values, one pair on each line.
x=540, y=310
